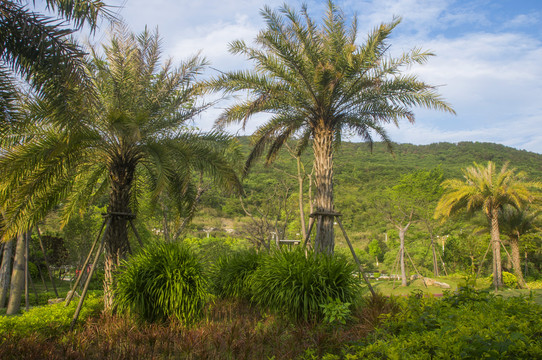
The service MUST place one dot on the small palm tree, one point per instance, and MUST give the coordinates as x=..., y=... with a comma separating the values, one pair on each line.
x=515, y=223
x=130, y=137
x=317, y=82
x=485, y=189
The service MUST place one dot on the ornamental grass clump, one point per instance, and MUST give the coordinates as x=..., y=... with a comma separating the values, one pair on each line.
x=231, y=275
x=164, y=281
x=295, y=285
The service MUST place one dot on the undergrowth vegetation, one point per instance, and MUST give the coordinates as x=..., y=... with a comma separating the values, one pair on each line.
x=164, y=281
x=468, y=324
x=296, y=285
x=283, y=305
x=232, y=274
x=48, y=320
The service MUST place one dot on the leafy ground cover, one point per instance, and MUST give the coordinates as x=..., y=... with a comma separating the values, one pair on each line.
x=464, y=325
x=460, y=325
x=231, y=329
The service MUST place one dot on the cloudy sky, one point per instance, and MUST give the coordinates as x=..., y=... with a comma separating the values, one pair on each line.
x=488, y=56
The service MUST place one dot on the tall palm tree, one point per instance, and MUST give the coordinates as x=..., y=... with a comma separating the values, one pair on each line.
x=485, y=189
x=130, y=138
x=515, y=223
x=316, y=82
x=39, y=49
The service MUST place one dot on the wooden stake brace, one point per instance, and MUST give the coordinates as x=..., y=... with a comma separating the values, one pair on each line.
x=337, y=215
x=106, y=223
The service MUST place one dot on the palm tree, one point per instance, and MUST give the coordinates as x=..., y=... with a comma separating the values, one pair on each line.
x=485, y=189
x=515, y=223
x=132, y=137
x=38, y=49
x=316, y=82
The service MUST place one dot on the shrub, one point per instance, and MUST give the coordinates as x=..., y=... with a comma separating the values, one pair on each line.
x=231, y=274
x=508, y=279
x=49, y=320
x=534, y=284
x=336, y=311
x=296, y=285
x=464, y=325
x=165, y=280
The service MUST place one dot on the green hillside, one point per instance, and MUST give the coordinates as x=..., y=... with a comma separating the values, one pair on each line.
x=360, y=177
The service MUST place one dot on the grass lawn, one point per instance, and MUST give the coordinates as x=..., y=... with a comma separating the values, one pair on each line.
x=387, y=287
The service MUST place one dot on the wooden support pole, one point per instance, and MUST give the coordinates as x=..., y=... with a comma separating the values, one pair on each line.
x=69, y=297
x=416, y=269
x=355, y=257
x=482, y=262
x=442, y=261
x=136, y=233
x=33, y=288
x=27, y=305
x=87, y=282
x=43, y=279
x=46, y=261
x=311, y=221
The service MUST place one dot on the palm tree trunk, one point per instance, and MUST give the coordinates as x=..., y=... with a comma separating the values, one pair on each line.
x=17, y=278
x=496, y=244
x=116, y=240
x=514, y=245
x=323, y=171
x=5, y=272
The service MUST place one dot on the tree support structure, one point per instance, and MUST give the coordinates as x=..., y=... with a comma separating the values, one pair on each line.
x=337, y=217
x=102, y=234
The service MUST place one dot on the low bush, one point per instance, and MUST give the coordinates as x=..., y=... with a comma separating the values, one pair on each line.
x=463, y=325
x=48, y=320
x=508, y=279
x=163, y=281
x=534, y=284
x=231, y=274
x=295, y=285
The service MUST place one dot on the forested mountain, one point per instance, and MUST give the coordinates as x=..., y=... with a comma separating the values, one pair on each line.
x=361, y=179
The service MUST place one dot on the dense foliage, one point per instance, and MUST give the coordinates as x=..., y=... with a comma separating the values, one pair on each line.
x=231, y=276
x=295, y=284
x=48, y=320
x=362, y=177
x=163, y=281
x=463, y=325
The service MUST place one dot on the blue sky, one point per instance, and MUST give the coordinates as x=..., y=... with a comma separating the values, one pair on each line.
x=488, y=60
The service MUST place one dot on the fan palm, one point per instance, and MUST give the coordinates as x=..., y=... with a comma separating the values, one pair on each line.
x=485, y=189
x=317, y=82
x=132, y=136
x=38, y=48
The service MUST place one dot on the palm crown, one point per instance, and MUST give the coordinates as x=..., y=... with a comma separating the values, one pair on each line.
x=317, y=82
x=483, y=188
x=39, y=49
x=129, y=134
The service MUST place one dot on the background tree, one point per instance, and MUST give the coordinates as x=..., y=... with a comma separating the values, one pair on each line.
x=128, y=138
x=399, y=210
x=421, y=189
x=515, y=223
x=317, y=82
x=375, y=250
x=485, y=189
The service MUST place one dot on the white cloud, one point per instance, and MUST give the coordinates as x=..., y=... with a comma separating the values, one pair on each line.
x=491, y=72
